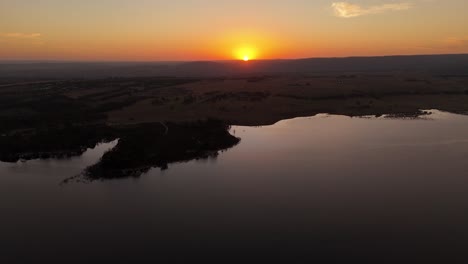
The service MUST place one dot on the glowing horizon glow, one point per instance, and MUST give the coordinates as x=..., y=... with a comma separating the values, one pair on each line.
x=246, y=53
x=164, y=30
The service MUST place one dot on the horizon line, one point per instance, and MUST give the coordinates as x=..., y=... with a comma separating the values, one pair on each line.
x=219, y=60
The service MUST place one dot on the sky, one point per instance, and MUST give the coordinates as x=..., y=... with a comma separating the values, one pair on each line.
x=182, y=30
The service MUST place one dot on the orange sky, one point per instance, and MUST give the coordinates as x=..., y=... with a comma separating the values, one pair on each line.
x=148, y=30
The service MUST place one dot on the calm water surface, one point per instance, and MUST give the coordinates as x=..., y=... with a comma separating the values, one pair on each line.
x=327, y=188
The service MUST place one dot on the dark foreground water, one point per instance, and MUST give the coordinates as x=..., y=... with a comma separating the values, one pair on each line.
x=326, y=189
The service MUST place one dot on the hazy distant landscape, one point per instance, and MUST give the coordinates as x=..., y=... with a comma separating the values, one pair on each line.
x=431, y=64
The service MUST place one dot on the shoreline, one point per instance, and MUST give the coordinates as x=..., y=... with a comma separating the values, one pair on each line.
x=160, y=121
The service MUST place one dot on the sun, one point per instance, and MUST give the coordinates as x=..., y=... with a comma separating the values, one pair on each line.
x=245, y=53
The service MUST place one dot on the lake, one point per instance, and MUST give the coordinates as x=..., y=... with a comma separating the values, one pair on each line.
x=324, y=188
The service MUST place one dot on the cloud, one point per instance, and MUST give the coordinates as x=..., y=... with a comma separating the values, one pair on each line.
x=348, y=10
x=17, y=35
x=14, y=38
x=456, y=42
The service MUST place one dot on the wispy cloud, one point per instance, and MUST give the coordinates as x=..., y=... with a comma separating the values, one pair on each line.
x=14, y=38
x=17, y=35
x=456, y=41
x=348, y=10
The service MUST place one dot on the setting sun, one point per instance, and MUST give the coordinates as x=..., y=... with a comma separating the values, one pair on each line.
x=245, y=53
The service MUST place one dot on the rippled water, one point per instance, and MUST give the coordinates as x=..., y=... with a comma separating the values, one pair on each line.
x=328, y=188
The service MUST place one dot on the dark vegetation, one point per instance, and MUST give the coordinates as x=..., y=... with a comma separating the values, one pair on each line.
x=41, y=120
x=217, y=96
x=414, y=115
x=40, y=105
x=140, y=147
x=237, y=96
x=62, y=142
x=143, y=147
x=46, y=111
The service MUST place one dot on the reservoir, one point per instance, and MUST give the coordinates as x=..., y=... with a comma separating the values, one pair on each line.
x=324, y=188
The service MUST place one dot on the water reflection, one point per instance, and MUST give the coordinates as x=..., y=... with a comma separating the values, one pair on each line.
x=326, y=190
x=61, y=168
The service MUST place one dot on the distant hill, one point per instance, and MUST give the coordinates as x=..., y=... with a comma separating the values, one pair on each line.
x=428, y=63
x=434, y=64
x=203, y=68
